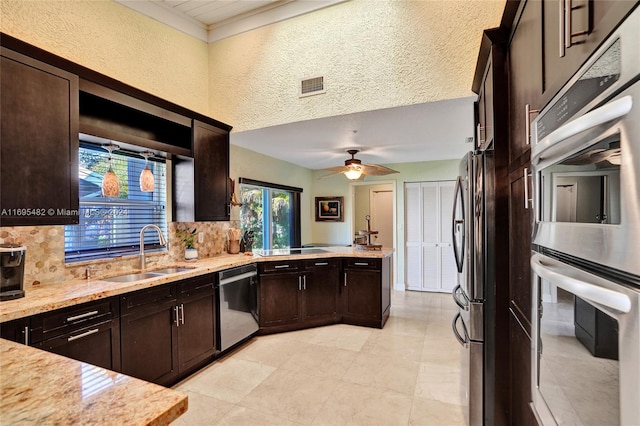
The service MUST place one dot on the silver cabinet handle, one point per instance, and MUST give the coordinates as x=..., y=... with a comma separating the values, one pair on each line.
x=176, y=316
x=181, y=313
x=568, y=24
x=304, y=282
x=479, y=129
x=81, y=335
x=85, y=315
x=361, y=263
x=299, y=283
x=527, y=122
x=281, y=266
x=26, y=335
x=345, y=279
x=527, y=200
x=322, y=263
x=561, y=19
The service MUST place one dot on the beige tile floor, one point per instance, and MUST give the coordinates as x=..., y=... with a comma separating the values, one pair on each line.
x=405, y=374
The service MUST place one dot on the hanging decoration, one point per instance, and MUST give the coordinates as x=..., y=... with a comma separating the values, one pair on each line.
x=147, y=181
x=110, y=184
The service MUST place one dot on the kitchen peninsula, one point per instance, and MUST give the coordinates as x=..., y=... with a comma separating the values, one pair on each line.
x=41, y=374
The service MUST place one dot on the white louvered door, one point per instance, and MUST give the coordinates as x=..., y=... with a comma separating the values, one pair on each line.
x=430, y=265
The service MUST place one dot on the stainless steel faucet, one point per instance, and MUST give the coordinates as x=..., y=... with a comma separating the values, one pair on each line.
x=163, y=242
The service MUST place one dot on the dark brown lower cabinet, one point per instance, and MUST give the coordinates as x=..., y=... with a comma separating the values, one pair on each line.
x=197, y=330
x=301, y=294
x=279, y=299
x=16, y=331
x=168, y=330
x=149, y=343
x=520, y=373
x=320, y=280
x=366, y=291
x=98, y=344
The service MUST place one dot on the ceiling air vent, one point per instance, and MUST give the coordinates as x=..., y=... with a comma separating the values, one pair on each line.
x=312, y=86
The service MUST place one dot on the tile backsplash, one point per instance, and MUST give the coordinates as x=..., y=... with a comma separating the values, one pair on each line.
x=45, y=251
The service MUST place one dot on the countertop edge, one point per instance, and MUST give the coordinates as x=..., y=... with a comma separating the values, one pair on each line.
x=49, y=297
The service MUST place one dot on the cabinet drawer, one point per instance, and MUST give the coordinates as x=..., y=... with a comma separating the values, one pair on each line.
x=195, y=285
x=56, y=323
x=152, y=297
x=321, y=264
x=362, y=263
x=284, y=266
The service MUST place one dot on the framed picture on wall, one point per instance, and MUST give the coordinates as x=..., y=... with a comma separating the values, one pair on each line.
x=329, y=209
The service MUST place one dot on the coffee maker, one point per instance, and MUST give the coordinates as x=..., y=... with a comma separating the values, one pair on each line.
x=12, y=257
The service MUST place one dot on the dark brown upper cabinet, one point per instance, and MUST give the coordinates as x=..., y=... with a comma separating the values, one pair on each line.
x=525, y=78
x=201, y=182
x=38, y=143
x=573, y=29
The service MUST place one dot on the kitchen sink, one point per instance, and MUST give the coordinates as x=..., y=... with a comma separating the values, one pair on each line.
x=127, y=278
x=174, y=270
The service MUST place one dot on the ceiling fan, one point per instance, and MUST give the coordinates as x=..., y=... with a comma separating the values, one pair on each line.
x=353, y=168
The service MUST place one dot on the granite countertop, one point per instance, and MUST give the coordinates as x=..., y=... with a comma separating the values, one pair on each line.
x=50, y=296
x=39, y=387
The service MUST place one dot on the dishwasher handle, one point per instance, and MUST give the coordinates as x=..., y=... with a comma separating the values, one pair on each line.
x=240, y=277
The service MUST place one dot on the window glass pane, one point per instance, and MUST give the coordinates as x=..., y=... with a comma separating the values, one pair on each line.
x=112, y=225
x=251, y=213
x=281, y=219
x=267, y=212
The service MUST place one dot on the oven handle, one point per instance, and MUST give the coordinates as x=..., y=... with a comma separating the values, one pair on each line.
x=557, y=273
x=610, y=111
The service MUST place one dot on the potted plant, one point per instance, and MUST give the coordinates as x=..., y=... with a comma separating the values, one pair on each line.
x=188, y=239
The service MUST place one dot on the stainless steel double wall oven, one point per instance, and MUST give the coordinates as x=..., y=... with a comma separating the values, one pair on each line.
x=586, y=241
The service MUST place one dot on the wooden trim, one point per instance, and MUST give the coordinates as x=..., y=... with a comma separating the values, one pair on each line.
x=269, y=185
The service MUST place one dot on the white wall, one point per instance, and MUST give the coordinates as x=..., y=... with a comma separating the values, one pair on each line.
x=373, y=55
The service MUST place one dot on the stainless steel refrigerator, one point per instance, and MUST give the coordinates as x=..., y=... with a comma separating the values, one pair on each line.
x=473, y=245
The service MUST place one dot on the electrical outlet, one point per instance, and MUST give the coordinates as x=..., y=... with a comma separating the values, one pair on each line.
x=200, y=237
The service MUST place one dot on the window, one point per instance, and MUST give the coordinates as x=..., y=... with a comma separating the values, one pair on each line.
x=111, y=226
x=272, y=212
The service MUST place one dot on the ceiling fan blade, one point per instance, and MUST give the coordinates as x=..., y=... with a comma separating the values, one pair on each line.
x=329, y=175
x=337, y=169
x=377, y=170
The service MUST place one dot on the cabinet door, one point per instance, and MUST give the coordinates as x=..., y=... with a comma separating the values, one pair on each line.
x=320, y=290
x=279, y=299
x=361, y=290
x=98, y=344
x=520, y=246
x=149, y=346
x=39, y=149
x=16, y=330
x=525, y=76
x=211, y=158
x=520, y=373
x=597, y=17
x=196, y=333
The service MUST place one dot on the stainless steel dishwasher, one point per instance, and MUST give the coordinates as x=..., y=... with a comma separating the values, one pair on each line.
x=236, y=293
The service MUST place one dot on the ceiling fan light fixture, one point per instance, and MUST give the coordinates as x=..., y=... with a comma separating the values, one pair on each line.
x=353, y=173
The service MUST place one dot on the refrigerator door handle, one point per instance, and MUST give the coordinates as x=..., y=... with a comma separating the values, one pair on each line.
x=462, y=305
x=458, y=223
x=454, y=325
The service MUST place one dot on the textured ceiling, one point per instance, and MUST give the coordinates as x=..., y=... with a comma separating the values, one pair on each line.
x=399, y=74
